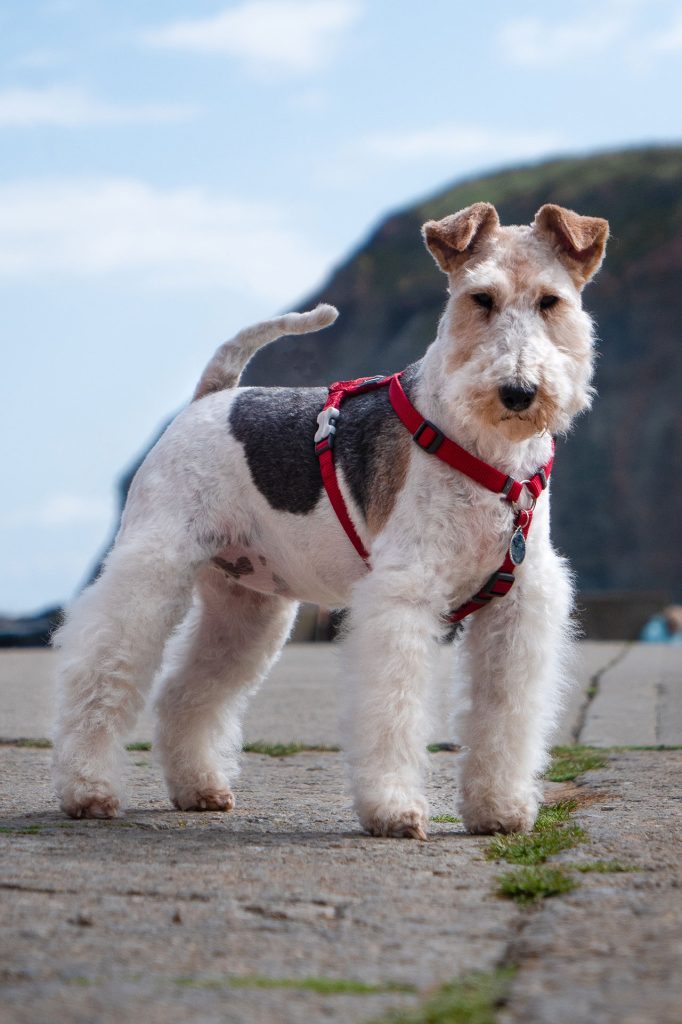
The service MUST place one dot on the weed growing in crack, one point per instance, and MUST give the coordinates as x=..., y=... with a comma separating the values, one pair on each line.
x=287, y=749
x=323, y=986
x=603, y=867
x=551, y=834
x=537, y=882
x=569, y=762
x=474, y=999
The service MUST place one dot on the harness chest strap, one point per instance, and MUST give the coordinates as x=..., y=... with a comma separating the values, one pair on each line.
x=430, y=439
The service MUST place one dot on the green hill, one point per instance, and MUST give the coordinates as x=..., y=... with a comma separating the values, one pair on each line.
x=618, y=481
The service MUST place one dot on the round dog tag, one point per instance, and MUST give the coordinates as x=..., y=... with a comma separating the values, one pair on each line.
x=517, y=547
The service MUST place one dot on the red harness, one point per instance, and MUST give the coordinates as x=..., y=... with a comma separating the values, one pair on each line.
x=429, y=438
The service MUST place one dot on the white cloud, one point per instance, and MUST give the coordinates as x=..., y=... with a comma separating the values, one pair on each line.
x=284, y=35
x=460, y=142
x=71, y=108
x=533, y=43
x=668, y=42
x=164, y=237
x=546, y=44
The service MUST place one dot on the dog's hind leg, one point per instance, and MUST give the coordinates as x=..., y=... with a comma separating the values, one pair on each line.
x=110, y=647
x=229, y=641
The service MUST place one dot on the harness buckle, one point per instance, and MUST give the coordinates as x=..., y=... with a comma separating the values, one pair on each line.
x=435, y=443
x=487, y=592
x=326, y=426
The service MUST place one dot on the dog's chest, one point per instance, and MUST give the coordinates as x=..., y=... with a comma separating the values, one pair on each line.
x=469, y=538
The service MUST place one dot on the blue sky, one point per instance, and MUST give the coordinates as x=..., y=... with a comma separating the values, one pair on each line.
x=172, y=171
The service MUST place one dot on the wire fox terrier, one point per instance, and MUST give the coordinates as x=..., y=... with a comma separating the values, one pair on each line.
x=227, y=527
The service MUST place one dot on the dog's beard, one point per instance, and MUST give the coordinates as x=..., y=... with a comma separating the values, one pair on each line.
x=542, y=415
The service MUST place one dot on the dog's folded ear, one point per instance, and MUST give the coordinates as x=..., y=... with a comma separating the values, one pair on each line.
x=452, y=240
x=579, y=242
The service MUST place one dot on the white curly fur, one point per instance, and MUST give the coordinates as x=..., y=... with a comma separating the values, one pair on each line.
x=160, y=602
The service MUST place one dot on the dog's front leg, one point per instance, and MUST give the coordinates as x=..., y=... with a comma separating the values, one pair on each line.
x=517, y=650
x=388, y=655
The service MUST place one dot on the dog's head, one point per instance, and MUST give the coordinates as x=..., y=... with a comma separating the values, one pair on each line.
x=516, y=345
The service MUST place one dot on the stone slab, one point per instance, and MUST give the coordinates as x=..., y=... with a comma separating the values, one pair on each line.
x=149, y=916
x=592, y=657
x=301, y=700
x=153, y=915
x=610, y=952
x=638, y=699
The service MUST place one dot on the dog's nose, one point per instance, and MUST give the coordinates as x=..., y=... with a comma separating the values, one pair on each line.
x=517, y=398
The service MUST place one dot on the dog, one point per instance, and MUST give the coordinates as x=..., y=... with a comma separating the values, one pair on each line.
x=227, y=527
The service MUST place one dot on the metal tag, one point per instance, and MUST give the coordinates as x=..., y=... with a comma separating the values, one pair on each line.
x=517, y=547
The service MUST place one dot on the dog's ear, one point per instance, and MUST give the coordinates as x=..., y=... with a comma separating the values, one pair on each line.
x=452, y=240
x=579, y=242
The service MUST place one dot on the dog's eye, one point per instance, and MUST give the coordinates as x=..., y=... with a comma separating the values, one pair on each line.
x=483, y=300
x=547, y=301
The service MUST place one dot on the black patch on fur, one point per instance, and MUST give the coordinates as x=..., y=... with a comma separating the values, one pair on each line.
x=276, y=426
x=363, y=435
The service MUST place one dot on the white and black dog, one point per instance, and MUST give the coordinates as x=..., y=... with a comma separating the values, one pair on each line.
x=227, y=527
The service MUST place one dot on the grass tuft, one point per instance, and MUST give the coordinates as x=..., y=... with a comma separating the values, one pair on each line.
x=603, y=867
x=26, y=741
x=474, y=999
x=551, y=815
x=569, y=762
x=323, y=986
x=551, y=834
x=449, y=818
x=287, y=749
x=530, y=884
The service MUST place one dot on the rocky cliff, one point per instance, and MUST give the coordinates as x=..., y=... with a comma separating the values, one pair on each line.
x=617, y=489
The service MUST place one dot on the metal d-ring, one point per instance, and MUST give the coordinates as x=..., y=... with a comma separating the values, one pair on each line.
x=533, y=500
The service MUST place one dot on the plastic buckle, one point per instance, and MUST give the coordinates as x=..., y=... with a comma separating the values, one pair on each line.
x=487, y=592
x=326, y=427
x=437, y=441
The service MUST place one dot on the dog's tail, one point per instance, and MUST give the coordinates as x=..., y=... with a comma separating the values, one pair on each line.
x=225, y=368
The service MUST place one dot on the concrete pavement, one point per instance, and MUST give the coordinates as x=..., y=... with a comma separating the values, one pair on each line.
x=283, y=911
x=625, y=694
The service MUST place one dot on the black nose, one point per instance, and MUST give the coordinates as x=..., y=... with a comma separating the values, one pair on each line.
x=517, y=398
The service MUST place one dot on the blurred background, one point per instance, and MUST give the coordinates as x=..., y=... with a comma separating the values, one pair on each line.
x=170, y=172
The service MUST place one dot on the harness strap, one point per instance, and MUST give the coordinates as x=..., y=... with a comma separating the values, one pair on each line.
x=324, y=444
x=431, y=440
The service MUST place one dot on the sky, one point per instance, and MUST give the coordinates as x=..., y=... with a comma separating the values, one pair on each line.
x=171, y=172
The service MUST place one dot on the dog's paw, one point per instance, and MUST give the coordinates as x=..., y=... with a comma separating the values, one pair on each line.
x=90, y=800
x=486, y=819
x=397, y=822
x=209, y=798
